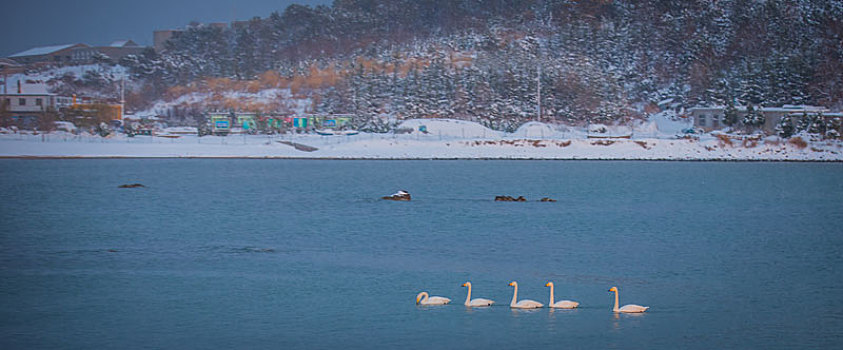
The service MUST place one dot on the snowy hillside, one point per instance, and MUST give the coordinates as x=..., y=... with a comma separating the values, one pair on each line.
x=604, y=61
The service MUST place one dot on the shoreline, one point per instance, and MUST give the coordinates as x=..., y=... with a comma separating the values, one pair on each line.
x=724, y=160
x=411, y=147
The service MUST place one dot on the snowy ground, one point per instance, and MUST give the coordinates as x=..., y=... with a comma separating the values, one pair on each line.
x=445, y=139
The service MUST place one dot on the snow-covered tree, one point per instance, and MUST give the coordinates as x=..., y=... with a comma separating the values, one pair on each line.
x=754, y=118
x=785, y=127
x=730, y=114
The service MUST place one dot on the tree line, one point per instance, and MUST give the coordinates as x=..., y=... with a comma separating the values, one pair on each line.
x=484, y=59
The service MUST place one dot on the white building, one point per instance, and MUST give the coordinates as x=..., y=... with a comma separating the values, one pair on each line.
x=711, y=118
x=29, y=97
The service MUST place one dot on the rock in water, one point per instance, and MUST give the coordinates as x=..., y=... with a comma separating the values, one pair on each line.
x=547, y=199
x=131, y=186
x=509, y=199
x=398, y=196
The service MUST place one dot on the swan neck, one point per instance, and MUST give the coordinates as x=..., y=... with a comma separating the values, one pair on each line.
x=468, y=296
x=424, y=298
x=616, y=302
x=514, y=296
x=551, y=294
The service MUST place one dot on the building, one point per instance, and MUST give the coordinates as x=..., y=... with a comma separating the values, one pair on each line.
x=711, y=118
x=28, y=101
x=29, y=98
x=47, y=54
x=160, y=38
x=115, y=51
x=8, y=66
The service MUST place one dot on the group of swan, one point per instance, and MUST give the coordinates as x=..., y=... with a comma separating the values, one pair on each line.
x=425, y=299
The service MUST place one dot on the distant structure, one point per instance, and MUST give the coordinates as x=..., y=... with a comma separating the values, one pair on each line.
x=47, y=54
x=240, y=24
x=160, y=38
x=711, y=118
x=76, y=53
x=27, y=102
x=114, y=51
x=7, y=67
x=7, y=63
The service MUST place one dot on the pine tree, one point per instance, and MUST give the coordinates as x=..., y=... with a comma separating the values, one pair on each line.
x=785, y=127
x=730, y=114
x=754, y=118
x=818, y=125
x=834, y=127
x=803, y=123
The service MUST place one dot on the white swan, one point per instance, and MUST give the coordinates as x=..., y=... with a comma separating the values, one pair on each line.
x=429, y=300
x=562, y=304
x=479, y=302
x=630, y=309
x=523, y=304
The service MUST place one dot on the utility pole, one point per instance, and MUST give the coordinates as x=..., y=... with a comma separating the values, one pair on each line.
x=122, y=97
x=539, y=93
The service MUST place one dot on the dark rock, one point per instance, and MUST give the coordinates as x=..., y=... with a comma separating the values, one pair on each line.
x=547, y=199
x=131, y=186
x=509, y=199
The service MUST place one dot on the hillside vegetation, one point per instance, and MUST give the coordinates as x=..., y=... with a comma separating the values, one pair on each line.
x=480, y=59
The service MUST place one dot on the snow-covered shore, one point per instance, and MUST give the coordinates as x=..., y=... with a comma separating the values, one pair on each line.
x=442, y=139
x=412, y=146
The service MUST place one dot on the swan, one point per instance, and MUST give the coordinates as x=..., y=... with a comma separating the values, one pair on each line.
x=630, y=309
x=429, y=300
x=562, y=304
x=479, y=302
x=523, y=304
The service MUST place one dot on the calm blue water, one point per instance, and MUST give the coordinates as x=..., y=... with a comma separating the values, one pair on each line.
x=301, y=254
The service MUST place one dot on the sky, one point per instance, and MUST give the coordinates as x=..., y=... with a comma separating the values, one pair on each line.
x=33, y=23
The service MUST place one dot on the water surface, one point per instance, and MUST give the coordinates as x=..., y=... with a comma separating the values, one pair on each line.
x=303, y=254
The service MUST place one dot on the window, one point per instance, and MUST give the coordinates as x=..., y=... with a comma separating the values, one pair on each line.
x=39, y=102
x=702, y=120
x=715, y=121
x=21, y=102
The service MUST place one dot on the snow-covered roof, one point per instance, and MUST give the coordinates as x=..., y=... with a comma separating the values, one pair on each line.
x=123, y=43
x=140, y=117
x=44, y=50
x=805, y=108
x=535, y=129
x=450, y=127
x=785, y=108
x=826, y=115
